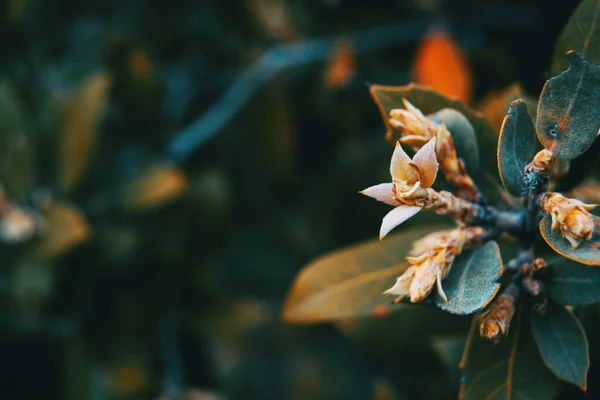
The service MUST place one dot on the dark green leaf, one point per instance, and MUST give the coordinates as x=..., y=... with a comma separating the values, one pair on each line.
x=582, y=33
x=449, y=349
x=569, y=282
x=463, y=135
x=350, y=282
x=429, y=101
x=511, y=369
x=17, y=150
x=472, y=281
x=562, y=344
x=586, y=253
x=516, y=146
x=568, y=116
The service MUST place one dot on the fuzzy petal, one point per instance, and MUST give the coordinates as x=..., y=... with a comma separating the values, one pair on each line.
x=440, y=290
x=427, y=164
x=422, y=284
x=382, y=192
x=415, y=141
x=400, y=168
x=402, y=285
x=395, y=217
x=412, y=108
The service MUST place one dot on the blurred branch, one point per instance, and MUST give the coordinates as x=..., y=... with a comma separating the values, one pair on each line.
x=274, y=60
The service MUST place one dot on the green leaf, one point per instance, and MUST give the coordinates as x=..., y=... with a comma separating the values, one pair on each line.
x=472, y=281
x=350, y=282
x=586, y=253
x=582, y=33
x=509, y=370
x=17, y=148
x=516, y=146
x=463, y=135
x=572, y=283
x=449, y=349
x=562, y=344
x=568, y=115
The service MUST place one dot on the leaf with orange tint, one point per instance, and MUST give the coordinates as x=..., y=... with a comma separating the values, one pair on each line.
x=341, y=67
x=495, y=105
x=441, y=64
x=81, y=117
x=512, y=369
x=156, y=185
x=65, y=228
x=350, y=282
x=568, y=116
x=586, y=253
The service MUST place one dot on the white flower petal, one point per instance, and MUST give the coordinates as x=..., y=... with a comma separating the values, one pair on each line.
x=426, y=162
x=402, y=285
x=382, y=192
x=395, y=217
x=412, y=108
x=400, y=168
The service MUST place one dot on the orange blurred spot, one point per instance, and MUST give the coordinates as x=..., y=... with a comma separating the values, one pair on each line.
x=381, y=310
x=127, y=379
x=139, y=64
x=341, y=68
x=441, y=64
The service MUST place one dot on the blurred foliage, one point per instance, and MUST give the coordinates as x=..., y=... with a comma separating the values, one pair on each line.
x=131, y=273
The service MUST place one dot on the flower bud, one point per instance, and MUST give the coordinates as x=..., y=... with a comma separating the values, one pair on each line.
x=571, y=216
x=495, y=321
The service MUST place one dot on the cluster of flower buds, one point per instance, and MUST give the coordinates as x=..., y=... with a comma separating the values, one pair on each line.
x=571, y=216
x=417, y=130
x=431, y=267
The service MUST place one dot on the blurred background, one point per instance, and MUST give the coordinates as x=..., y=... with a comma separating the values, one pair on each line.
x=167, y=167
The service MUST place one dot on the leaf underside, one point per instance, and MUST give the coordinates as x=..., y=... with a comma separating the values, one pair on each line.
x=472, y=281
x=463, y=135
x=586, y=253
x=509, y=370
x=562, y=344
x=572, y=283
x=516, y=146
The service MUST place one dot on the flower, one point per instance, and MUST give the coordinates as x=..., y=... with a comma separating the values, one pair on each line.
x=431, y=267
x=570, y=216
x=408, y=189
x=416, y=128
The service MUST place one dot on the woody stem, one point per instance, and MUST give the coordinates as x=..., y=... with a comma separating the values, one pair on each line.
x=473, y=214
